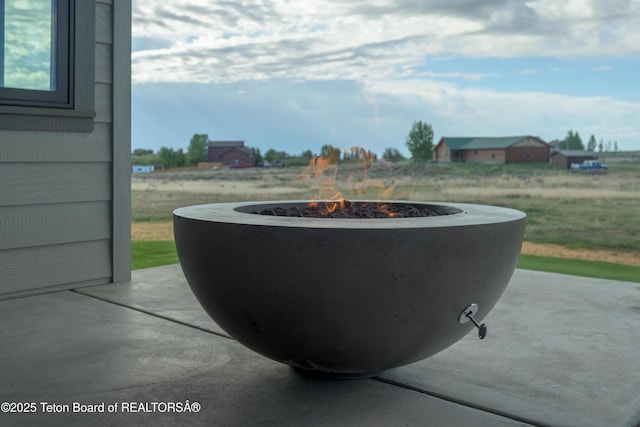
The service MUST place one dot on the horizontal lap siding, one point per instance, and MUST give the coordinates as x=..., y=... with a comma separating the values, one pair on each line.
x=55, y=224
x=40, y=267
x=48, y=147
x=48, y=183
x=56, y=192
x=31, y=226
x=104, y=22
x=103, y=63
x=103, y=103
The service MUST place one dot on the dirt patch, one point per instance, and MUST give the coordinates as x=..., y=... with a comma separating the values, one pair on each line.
x=152, y=230
x=558, y=251
x=230, y=187
x=164, y=231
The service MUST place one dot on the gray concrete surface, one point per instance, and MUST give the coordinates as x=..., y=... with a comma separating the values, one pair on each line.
x=561, y=350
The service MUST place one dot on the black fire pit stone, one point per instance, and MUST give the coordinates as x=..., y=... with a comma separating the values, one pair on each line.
x=350, y=209
x=346, y=298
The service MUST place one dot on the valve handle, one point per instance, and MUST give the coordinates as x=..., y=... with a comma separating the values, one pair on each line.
x=467, y=315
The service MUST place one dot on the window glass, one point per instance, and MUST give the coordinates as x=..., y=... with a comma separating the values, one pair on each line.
x=28, y=45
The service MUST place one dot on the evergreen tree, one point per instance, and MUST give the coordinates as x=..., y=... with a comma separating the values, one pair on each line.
x=572, y=141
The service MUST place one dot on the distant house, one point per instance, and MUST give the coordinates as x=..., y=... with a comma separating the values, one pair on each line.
x=562, y=159
x=229, y=153
x=510, y=149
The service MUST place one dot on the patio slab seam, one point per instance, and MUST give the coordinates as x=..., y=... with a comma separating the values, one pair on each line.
x=150, y=313
x=460, y=402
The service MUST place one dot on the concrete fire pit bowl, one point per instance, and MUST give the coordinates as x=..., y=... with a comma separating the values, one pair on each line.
x=347, y=298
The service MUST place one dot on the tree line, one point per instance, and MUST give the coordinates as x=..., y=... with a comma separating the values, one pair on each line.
x=573, y=141
x=419, y=142
x=170, y=158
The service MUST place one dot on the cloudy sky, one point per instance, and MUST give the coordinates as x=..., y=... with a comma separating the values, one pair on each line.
x=296, y=74
x=27, y=45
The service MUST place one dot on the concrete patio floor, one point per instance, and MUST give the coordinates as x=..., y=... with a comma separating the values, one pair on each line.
x=561, y=351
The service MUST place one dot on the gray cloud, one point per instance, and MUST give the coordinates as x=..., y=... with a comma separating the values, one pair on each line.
x=362, y=39
x=494, y=16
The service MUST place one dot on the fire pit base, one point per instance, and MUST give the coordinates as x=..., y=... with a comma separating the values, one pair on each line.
x=336, y=375
x=347, y=298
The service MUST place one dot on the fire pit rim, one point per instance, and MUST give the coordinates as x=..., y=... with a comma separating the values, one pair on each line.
x=240, y=213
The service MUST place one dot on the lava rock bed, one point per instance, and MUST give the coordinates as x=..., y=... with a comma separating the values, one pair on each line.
x=348, y=209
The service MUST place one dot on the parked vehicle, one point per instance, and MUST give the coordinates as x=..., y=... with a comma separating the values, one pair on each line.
x=591, y=166
x=277, y=164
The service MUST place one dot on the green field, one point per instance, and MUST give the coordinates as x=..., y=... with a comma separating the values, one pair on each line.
x=576, y=267
x=152, y=253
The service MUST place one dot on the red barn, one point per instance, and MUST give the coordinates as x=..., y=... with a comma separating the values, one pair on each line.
x=229, y=153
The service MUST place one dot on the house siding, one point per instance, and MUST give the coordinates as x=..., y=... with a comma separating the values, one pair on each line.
x=442, y=153
x=64, y=202
x=228, y=156
x=492, y=155
x=228, y=152
x=529, y=150
x=492, y=150
x=527, y=154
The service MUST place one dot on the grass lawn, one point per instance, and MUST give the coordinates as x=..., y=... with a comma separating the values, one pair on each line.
x=146, y=254
x=577, y=267
x=153, y=253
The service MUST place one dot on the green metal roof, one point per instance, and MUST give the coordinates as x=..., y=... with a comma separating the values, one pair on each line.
x=479, y=143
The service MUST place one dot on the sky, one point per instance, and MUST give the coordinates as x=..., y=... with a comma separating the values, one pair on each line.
x=294, y=75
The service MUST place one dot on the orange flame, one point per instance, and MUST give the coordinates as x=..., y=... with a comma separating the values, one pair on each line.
x=324, y=170
x=385, y=207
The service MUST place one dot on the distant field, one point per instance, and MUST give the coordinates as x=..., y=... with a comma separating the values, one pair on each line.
x=572, y=210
